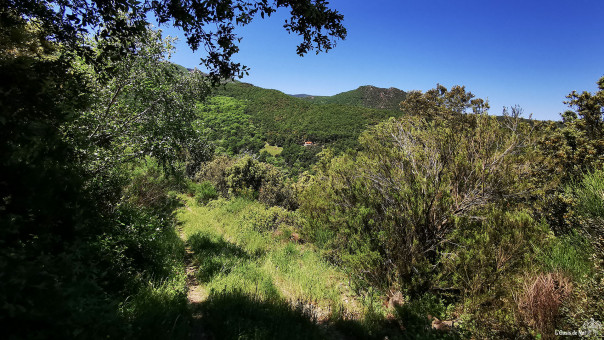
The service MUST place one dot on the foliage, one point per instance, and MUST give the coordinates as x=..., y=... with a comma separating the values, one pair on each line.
x=589, y=194
x=215, y=172
x=146, y=109
x=204, y=192
x=447, y=204
x=440, y=102
x=246, y=176
x=223, y=120
x=149, y=187
x=277, y=218
x=577, y=145
x=47, y=215
x=589, y=197
x=364, y=96
x=586, y=211
x=570, y=149
x=119, y=23
x=395, y=203
x=414, y=316
x=87, y=94
x=289, y=121
x=484, y=253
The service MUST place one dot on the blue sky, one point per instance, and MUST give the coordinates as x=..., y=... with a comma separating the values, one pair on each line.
x=527, y=53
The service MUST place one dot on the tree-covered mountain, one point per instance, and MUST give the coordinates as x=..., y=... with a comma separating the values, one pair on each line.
x=289, y=121
x=365, y=96
x=320, y=119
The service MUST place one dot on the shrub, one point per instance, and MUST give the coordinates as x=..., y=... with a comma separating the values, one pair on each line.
x=588, y=199
x=215, y=172
x=485, y=251
x=205, y=192
x=275, y=218
x=248, y=178
x=414, y=314
x=150, y=188
x=539, y=302
x=397, y=200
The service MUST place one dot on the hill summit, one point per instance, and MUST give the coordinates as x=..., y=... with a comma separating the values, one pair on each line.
x=364, y=96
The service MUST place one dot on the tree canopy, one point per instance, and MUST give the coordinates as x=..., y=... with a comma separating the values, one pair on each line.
x=206, y=24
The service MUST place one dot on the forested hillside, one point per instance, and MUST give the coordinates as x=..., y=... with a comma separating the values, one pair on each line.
x=463, y=223
x=288, y=122
x=365, y=96
x=285, y=118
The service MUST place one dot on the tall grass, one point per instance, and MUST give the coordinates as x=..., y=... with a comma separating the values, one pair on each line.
x=159, y=310
x=589, y=193
x=569, y=254
x=234, y=254
x=265, y=283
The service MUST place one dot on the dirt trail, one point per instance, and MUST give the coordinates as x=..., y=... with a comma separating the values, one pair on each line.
x=196, y=293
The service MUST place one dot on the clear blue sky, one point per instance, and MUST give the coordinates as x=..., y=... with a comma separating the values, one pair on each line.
x=530, y=53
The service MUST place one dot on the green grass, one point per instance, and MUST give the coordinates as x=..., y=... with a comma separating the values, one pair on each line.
x=159, y=310
x=234, y=255
x=272, y=150
x=263, y=285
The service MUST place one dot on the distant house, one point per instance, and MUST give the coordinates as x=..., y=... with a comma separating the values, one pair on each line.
x=308, y=143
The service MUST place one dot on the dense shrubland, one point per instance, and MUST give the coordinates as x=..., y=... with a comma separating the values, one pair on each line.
x=447, y=203
x=246, y=176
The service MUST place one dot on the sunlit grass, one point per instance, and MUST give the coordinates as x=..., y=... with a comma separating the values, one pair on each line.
x=263, y=282
x=233, y=256
x=272, y=150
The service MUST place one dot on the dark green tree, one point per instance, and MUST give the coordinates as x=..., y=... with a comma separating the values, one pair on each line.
x=119, y=22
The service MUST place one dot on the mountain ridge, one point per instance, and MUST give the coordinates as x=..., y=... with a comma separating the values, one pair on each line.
x=368, y=96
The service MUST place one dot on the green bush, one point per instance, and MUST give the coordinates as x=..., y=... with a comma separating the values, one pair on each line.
x=394, y=204
x=587, y=199
x=415, y=313
x=205, y=192
x=247, y=177
x=485, y=252
x=275, y=218
x=569, y=254
x=215, y=172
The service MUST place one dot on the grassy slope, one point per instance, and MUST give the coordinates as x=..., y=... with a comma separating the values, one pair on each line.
x=260, y=284
x=257, y=283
